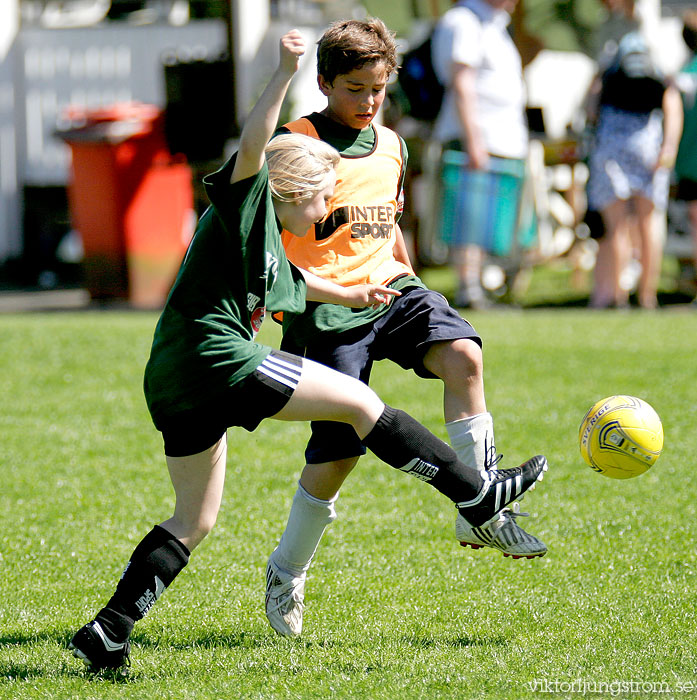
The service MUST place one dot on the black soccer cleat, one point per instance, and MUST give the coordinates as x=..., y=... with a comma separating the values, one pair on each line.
x=97, y=651
x=501, y=487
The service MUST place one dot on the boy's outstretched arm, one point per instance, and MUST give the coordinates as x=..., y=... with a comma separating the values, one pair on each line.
x=262, y=120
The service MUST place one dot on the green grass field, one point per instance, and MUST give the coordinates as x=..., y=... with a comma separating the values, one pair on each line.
x=396, y=609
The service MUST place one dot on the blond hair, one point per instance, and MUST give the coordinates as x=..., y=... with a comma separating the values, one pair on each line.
x=299, y=166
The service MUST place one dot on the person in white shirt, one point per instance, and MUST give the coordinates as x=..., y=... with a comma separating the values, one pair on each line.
x=483, y=130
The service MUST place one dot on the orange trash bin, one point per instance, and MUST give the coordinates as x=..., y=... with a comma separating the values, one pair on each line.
x=131, y=201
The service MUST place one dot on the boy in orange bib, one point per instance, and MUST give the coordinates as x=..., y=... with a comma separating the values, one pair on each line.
x=360, y=241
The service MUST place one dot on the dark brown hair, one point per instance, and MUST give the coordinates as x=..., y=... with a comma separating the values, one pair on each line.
x=350, y=43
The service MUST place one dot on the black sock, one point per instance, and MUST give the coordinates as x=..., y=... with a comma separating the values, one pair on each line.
x=405, y=444
x=154, y=564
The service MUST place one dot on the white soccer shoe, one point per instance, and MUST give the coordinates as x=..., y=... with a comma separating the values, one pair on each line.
x=285, y=594
x=504, y=534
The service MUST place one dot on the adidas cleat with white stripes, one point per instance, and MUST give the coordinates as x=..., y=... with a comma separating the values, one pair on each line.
x=501, y=487
x=503, y=534
x=97, y=651
x=285, y=596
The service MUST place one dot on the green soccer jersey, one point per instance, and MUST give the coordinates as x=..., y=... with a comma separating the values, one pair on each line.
x=235, y=269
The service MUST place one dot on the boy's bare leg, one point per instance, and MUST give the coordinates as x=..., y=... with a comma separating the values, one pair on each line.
x=322, y=394
x=324, y=480
x=470, y=429
x=313, y=509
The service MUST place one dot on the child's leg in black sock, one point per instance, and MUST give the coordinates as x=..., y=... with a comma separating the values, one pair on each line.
x=154, y=564
x=405, y=444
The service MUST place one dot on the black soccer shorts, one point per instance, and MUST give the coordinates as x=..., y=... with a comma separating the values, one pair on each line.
x=260, y=395
x=415, y=320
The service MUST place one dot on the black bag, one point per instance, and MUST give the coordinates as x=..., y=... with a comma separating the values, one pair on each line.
x=420, y=87
x=633, y=82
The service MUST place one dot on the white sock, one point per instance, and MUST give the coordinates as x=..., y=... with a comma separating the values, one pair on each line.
x=471, y=438
x=308, y=519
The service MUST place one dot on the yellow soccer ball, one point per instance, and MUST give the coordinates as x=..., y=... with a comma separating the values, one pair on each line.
x=621, y=437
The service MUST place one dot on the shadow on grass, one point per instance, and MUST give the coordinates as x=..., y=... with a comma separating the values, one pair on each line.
x=234, y=640
x=17, y=671
x=456, y=642
x=241, y=640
